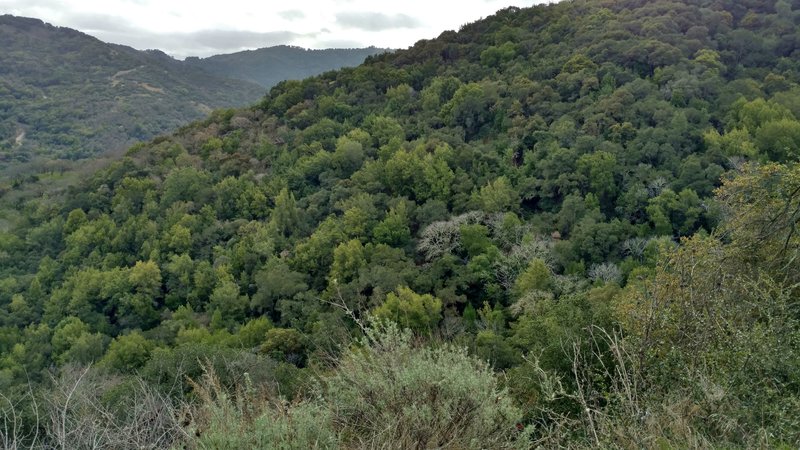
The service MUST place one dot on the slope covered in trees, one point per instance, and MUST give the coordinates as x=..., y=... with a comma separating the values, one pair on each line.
x=64, y=94
x=598, y=199
x=271, y=65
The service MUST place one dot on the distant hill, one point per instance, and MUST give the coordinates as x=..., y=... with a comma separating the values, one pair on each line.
x=271, y=65
x=67, y=95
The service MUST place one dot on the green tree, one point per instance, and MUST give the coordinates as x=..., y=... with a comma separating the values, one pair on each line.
x=285, y=217
x=498, y=196
x=408, y=309
x=127, y=353
x=274, y=282
x=394, y=229
x=538, y=276
x=74, y=343
x=470, y=108
x=780, y=140
x=285, y=344
x=227, y=301
x=598, y=170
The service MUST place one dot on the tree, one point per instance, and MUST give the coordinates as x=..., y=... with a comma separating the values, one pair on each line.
x=681, y=213
x=497, y=55
x=285, y=217
x=761, y=209
x=276, y=281
x=780, y=140
x=145, y=278
x=598, y=170
x=394, y=230
x=498, y=196
x=408, y=309
x=227, y=301
x=73, y=343
x=469, y=108
x=475, y=239
x=127, y=353
x=348, y=156
x=537, y=277
x=419, y=175
x=754, y=114
x=285, y=344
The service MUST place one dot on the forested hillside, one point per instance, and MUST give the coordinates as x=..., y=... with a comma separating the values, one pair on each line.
x=67, y=95
x=271, y=65
x=64, y=94
x=570, y=225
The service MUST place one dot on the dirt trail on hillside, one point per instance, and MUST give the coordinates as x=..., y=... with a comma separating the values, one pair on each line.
x=115, y=78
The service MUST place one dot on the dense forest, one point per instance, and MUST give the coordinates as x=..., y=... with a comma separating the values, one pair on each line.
x=571, y=225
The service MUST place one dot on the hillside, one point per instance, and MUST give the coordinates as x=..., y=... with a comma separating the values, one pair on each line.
x=565, y=226
x=269, y=66
x=68, y=95
x=64, y=94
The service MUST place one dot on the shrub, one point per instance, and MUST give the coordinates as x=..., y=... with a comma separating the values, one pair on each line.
x=249, y=419
x=392, y=394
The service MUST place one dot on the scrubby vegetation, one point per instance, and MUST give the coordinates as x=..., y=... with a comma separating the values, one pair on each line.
x=569, y=225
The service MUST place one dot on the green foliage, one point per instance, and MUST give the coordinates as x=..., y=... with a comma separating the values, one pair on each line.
x=229, y=426
x=249, y=417
x=387, y=392
x=391, y=393
x=497, y=55
x=127, y=353
x=469, y=109
x=475, y=239
x=518, y=188
x=254, y=333
x=274, y=282
x=780, y=139
x=285, y=344
x=598, y=172
x=394, y=230
x=536, y=277
x=136, y=95
x=285, y=217
x=227, y=301
x=73, y=343
x=348, y=258
x=498, y=196
x=408, y=309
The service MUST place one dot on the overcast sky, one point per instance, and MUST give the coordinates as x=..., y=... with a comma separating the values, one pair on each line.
x=206, y=27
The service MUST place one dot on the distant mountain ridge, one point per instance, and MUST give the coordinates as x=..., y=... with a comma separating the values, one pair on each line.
x=67, y=95
x=269, y=66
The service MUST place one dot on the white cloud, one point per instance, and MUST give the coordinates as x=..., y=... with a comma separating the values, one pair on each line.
x=205, y=27
x=292, y=14
x=375, y=21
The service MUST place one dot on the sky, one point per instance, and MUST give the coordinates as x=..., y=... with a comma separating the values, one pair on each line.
x=206, y=27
